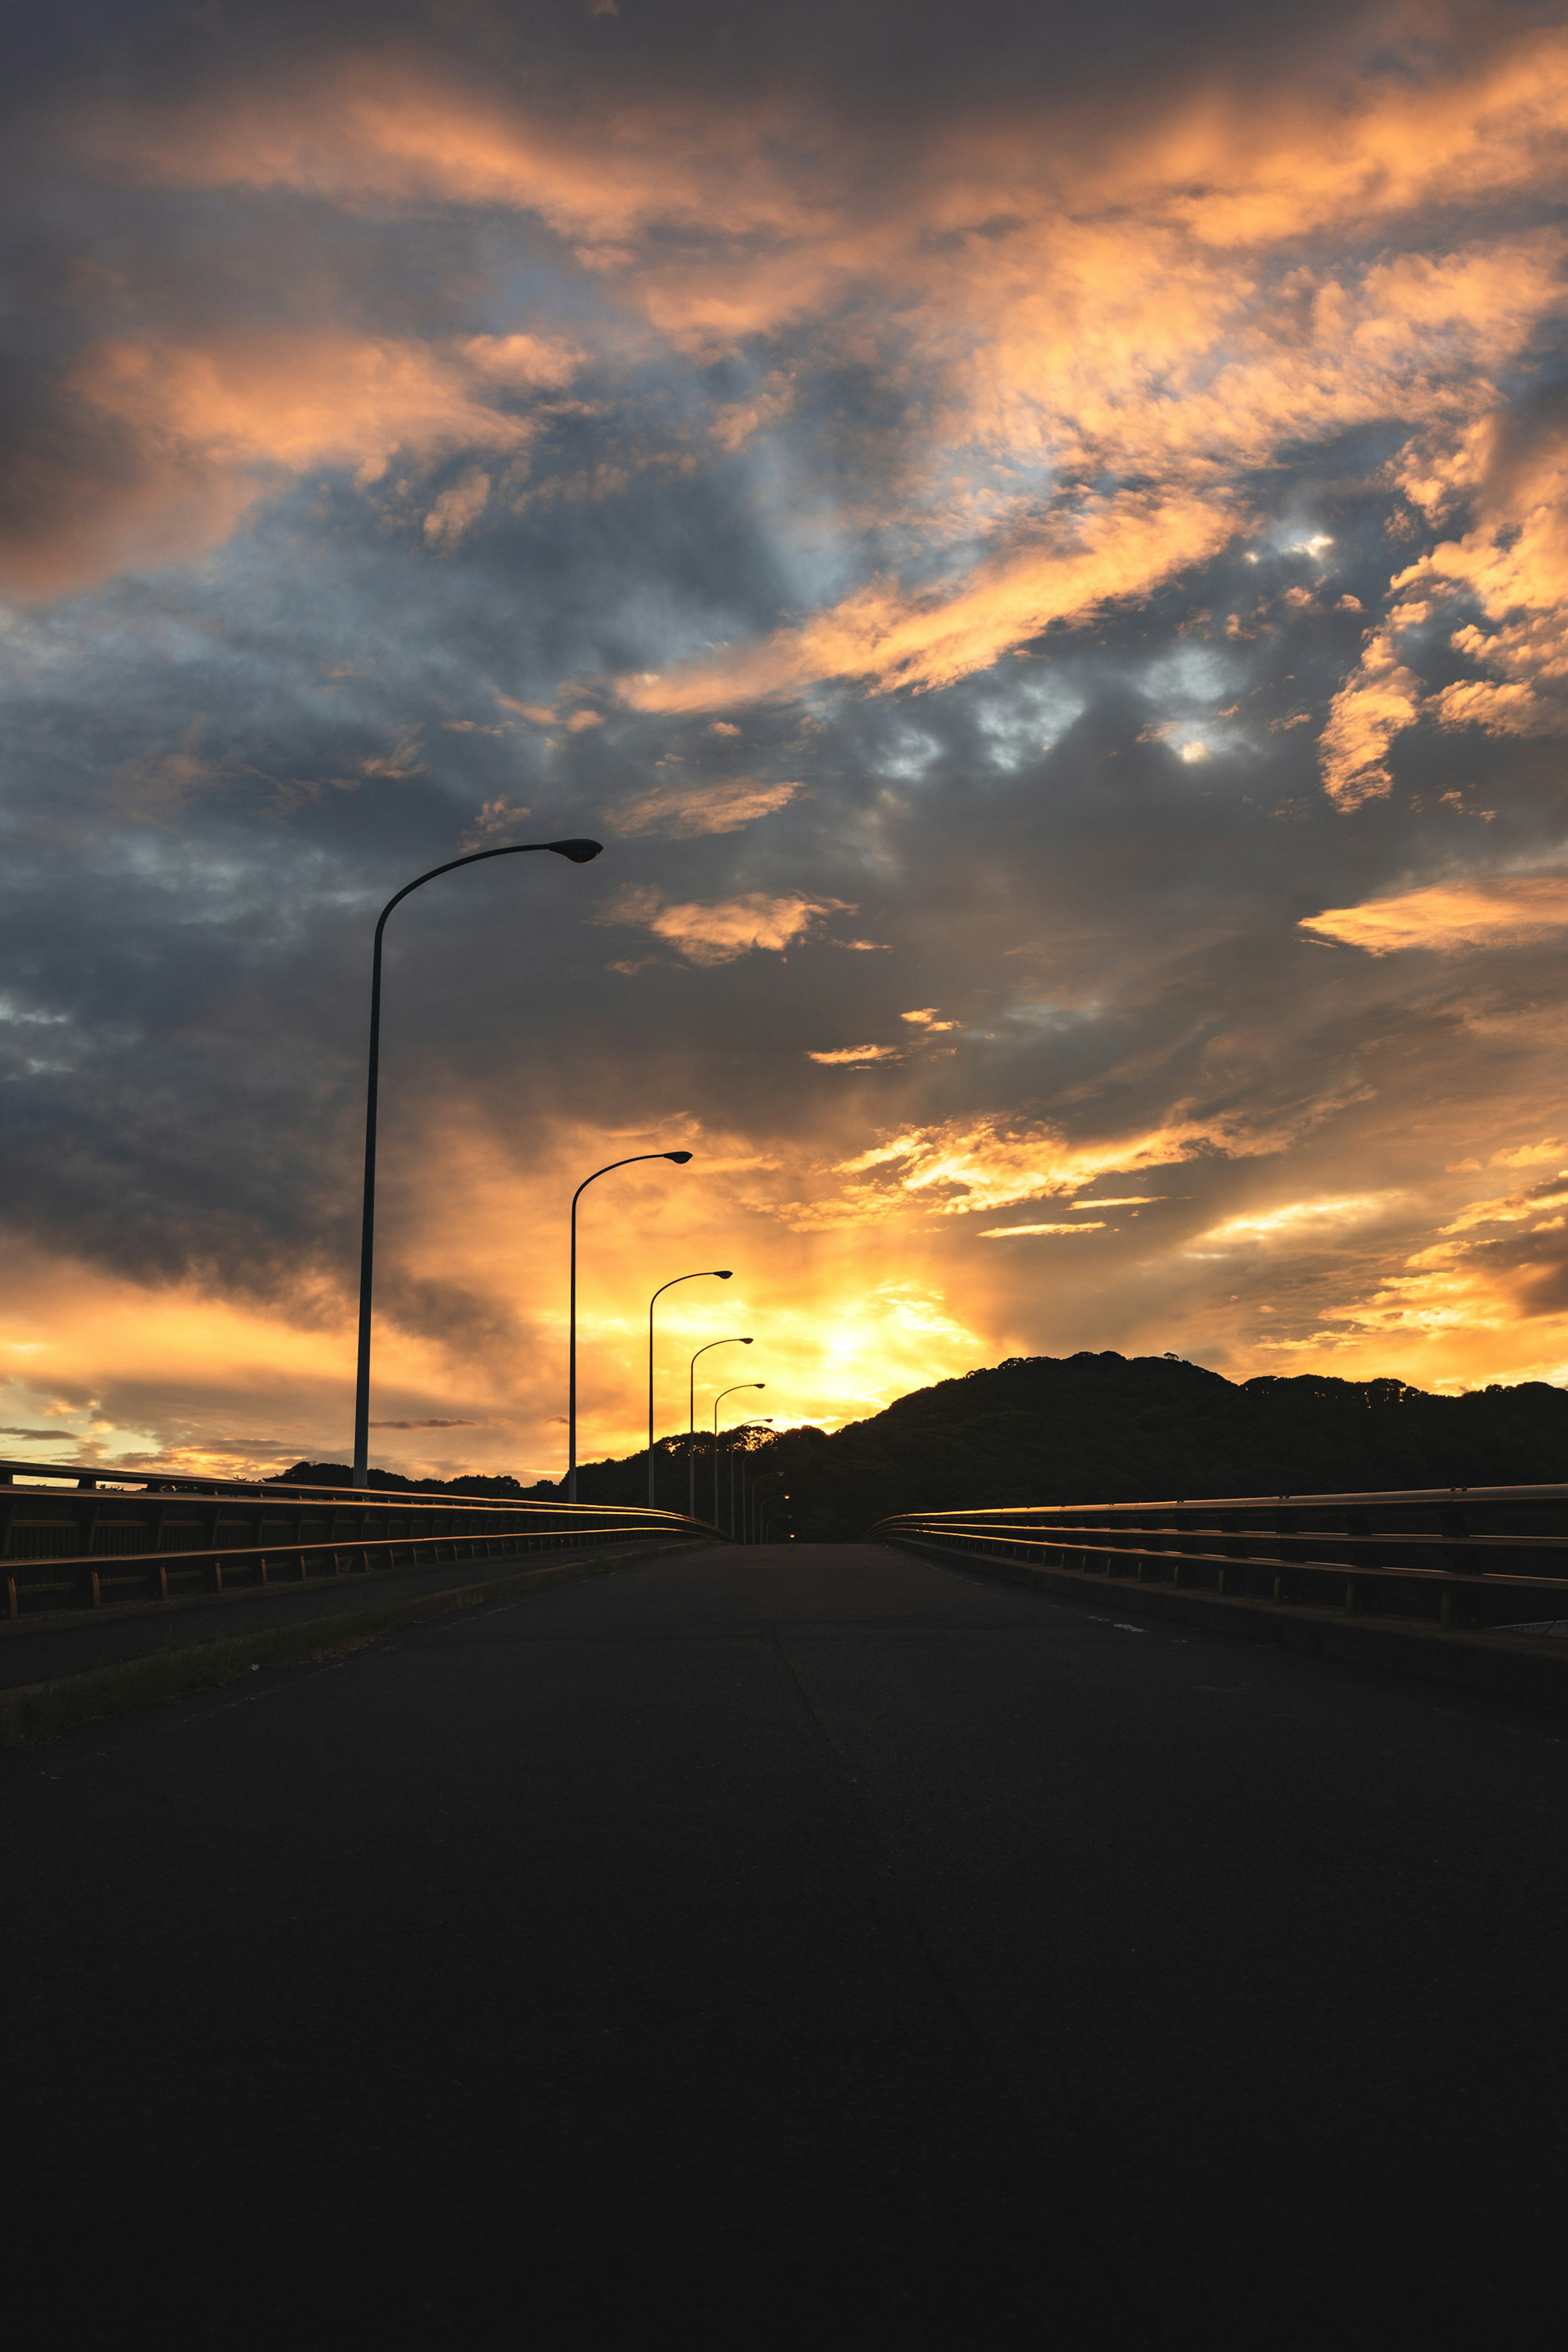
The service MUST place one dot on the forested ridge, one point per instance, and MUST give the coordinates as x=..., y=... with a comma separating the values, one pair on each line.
x=1098, y=1428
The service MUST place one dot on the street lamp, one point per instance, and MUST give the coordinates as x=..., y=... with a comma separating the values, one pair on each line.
x=777, y=1521
x=764, y=1421
x=757, y=1486
x=579, y=852
x=720, y=1273
x=691, y=1419
x=717, y=1402
x=680, y=1159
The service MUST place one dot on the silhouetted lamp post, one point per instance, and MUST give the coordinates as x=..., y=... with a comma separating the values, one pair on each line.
x=579, y=852
x=680, y=1159
x=717, y=1402
x=691, y=1418
x=757, y=1485
x=764, y=1421
x=720, y=1273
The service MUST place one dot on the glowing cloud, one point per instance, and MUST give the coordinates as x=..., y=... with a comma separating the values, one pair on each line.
x=685, y=812
x=1451, y=916
x=1006, y=1233
x=1294, y=1216
x=956, y=1169
x=212, y=426
x=889, y=636
x=724, y=928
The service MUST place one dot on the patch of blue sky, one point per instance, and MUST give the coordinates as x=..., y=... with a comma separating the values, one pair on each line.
x=908, y=752
x=1057, y=1019
x=1298, y=535
x=1188, y=679
x=1028, y=720
x=817, y=558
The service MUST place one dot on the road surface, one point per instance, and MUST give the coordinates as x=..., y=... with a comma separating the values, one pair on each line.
x=801, y=1945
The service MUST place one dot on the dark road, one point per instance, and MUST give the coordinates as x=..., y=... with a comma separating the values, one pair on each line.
x=806, y=1943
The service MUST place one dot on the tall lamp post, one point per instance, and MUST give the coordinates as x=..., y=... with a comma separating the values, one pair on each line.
x=717, y=1402
x=691, y=1421
x=680, y=1159
x=579, y=852
x=720, y=1273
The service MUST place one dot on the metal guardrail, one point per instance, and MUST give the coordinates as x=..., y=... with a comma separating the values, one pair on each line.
x=1454, y=1555
x=148, y=1537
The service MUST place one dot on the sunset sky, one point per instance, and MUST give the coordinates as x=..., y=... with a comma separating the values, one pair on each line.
x=1034, y=535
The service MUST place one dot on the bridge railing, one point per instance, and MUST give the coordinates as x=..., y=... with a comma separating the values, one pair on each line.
x=150, y=1536
x=1451, y=1555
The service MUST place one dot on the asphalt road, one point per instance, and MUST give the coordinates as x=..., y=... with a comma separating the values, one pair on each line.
x=802, y=1945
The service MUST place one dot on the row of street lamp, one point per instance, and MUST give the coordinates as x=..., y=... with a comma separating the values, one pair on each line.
x=579, y=852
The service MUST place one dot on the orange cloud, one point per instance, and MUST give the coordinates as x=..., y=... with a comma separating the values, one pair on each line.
x=297, y=402
x=1073, y=305
x=889, y=637
x=212, y=427
x=684, y=812
x=1006, y=1233
x=370, y=129
x=723, y=929
x=1514, y=564
x=1382, y=698
x=955, y=1169
x=1502, y=912
x=1473, y=1281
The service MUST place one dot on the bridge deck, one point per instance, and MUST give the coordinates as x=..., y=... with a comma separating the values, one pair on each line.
x=806, y=1944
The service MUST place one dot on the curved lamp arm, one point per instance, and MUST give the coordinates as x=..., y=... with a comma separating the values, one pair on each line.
x=732, y=1390
x=734, y=1342
x=680, y=1159
x=579, y=852
x=720, y=1273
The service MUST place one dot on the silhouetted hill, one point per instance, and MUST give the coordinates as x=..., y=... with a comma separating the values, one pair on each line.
x=1105, y=1428
x=341, y=1473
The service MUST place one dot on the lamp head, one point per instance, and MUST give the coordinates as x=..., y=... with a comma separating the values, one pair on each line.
x=745, y=1343
x=579, y=852
x=679, y=1158
x=723, y=1272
